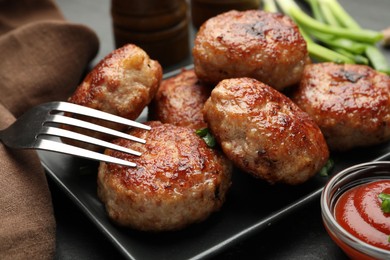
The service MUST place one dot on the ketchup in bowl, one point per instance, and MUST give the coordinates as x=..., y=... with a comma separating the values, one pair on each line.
x=355, y=204
x=358, y=210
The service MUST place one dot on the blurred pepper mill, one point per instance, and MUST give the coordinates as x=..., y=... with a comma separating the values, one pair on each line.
x=201, y=10
x=159, y=27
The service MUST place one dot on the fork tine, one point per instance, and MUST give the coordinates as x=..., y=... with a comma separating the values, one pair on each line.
x=82, y=110
x=87, y=125
x=55, y=131
x=49, y=145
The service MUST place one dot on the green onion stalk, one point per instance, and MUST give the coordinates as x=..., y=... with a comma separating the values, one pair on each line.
x=342, y=19
x=316, y=51
x=332, y=34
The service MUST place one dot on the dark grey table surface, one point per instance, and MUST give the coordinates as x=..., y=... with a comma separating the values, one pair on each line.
x=301, y=235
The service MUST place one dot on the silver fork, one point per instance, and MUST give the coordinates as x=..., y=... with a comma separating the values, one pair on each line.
x=32, y=130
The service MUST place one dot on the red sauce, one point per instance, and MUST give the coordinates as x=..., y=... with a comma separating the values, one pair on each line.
x=358, y=210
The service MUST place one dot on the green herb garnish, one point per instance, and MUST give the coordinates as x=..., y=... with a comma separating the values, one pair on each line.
x=206, y=136
x=385, y=206
x=324, y=172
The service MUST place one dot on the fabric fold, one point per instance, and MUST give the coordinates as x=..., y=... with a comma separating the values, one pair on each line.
x=27, y=221
x=16, y=13
x=43, y=58
x=43, y=61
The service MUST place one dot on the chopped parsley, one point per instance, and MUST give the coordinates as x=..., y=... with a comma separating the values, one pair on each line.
x=206, y=136
x=324, y=172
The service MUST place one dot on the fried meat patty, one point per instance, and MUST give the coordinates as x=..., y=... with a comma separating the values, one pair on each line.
x=264, y=133
x=123, y=84
x=350, y=103
x=180, y=100
x=178, y=180
x=257, y=44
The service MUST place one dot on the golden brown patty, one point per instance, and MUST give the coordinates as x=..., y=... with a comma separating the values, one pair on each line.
x=178, y=180
x=123, y=84
x=265, y=133
x=257, y=44
x=350, y=103
x=180, y=100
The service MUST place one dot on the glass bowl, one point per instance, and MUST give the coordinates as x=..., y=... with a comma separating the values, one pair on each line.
x=339, y=183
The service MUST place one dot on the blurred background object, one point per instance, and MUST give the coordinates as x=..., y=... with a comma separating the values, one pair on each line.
x=160, y=27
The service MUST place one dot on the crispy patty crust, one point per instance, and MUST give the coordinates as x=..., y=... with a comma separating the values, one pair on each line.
x=178, y=180
x=180, y=100
x=257, y=44
x=350, y=103
x=123, y=84
x=264, y=133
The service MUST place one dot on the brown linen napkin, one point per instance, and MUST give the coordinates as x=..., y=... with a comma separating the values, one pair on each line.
x=27, y=224
x=43, y=61
x=43, y=58
x=16, y=13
